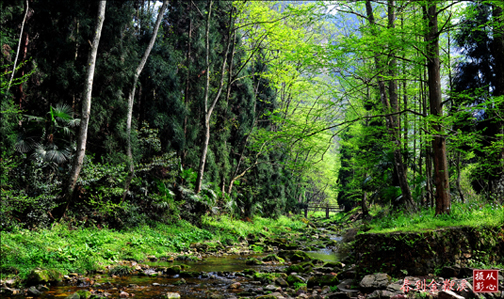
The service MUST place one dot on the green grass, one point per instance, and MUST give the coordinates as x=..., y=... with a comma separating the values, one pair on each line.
x=83, y=250
x=225, y=226
x=472, y=214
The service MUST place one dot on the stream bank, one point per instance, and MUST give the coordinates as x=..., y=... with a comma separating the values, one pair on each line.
x=419, y=253
x=299, y=264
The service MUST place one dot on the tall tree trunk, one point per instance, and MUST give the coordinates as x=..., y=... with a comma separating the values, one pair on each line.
x=461, y=194
x=390, y=107
x=498, y=54
x=443, y=198
x=209, y=109
x=187, y=89
x=86, y=107
x=498, y=49
x=18, y=48
x=365, y=210
x=204, y=150
x=131, y=97
x=429, y=200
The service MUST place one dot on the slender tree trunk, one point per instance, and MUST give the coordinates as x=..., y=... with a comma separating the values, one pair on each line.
x=427, y=149
x=391, y=106
x=209, y=110
x=131, y=98
x=18, y=47
x=498, y=49
x=497, y=53
x=443, y=198
x=461, y=194
x=86, y=107
x=405, y=106
x=365, y=210
x=204, y=150
x=187, y=88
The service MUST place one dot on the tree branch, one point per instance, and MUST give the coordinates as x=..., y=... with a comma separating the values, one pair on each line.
x=361, y=118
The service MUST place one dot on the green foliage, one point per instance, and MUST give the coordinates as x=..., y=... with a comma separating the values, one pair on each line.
x=474, y=214
x=299, y=285
x=257, y=248
x=84, y=249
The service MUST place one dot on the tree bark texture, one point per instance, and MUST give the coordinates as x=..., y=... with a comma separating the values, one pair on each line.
x=86, y=105
x=441, y=175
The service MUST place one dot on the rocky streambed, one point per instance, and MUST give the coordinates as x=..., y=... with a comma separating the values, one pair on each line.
x=259, y=265
x=297, y=265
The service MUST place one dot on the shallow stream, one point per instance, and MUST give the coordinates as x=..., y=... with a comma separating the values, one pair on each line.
x=218, y=274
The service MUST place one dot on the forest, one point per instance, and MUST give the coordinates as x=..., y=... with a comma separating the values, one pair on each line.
x=181, y=144
x=127, y=113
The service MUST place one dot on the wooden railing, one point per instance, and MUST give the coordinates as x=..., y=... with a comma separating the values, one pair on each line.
x=321, y=206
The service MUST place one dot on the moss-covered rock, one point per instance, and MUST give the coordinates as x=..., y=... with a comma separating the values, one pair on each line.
x=300, y=268
x=252, y=239
x=292, y=279
x=322, y=280
x=289, y=246
x=281, y=282
x=81, y=294
x=268, y=277
x=73, y=296
x=333, y=265
x=249, y=271
x=273, y=258
x=39, y=276
x=201, y=247
x=294, y=255
x=275, y=241
x=172, y=270
x=44, y=276
x=180, y=282
x=253, y=261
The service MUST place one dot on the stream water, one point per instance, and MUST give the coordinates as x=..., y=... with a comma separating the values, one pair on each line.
x=217, y=274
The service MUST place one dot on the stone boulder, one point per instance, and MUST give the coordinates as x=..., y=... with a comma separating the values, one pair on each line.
x=449, y=295
x=172, y=270
x=300, y=268
x=294, y=278
x=44, y=276
x=253, y=261
x=273, y=258
x=33, y=291
x=381, y=294
x=294, y=255
x=375, y=281
x=338, y=295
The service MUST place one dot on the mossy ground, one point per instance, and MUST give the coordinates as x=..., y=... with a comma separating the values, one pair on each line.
x=472, y=215
x=387, y=220
x=82, y=250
